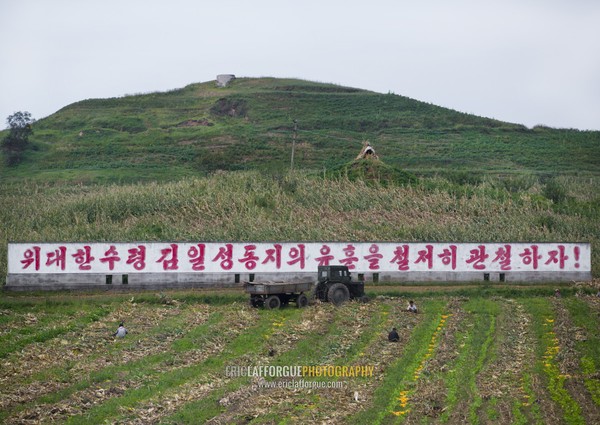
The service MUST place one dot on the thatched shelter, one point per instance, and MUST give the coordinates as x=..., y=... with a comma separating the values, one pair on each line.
x=367, y=151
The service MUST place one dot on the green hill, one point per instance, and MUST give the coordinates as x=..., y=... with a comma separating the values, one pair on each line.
x=248, y=125
x=441, y=175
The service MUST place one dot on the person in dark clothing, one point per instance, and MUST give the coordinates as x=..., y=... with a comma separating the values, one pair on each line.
x=393, y=335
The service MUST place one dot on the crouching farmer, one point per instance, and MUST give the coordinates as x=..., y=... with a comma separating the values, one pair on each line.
x=121, y=331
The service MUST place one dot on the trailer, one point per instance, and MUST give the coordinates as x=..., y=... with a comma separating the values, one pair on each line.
x=334, y=284
x=272, y=295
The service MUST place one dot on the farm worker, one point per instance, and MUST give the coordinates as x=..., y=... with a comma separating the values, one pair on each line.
x=412, y=307
x=393, y=335
x=557, y=293
x=121, y=331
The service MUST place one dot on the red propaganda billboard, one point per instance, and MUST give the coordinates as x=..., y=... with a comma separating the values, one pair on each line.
x=287, y=257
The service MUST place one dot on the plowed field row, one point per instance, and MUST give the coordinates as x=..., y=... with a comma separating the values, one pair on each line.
x=459, y=360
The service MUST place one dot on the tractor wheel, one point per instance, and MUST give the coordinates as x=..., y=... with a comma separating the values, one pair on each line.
x=338, y=293
x=302, y=301
x=273, y=302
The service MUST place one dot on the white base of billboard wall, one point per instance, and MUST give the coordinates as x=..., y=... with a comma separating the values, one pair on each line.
x=150, y=281
x=164, y=265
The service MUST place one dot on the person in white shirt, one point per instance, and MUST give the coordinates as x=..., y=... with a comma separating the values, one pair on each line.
x=121, y=331
x=412, y=307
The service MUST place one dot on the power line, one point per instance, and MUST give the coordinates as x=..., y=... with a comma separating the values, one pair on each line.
x=294, y=144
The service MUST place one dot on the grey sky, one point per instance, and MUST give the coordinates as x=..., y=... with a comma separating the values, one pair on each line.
x=523, y=61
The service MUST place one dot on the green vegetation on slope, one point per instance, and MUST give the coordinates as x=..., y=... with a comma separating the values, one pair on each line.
x=249, y=125
x=250, y=206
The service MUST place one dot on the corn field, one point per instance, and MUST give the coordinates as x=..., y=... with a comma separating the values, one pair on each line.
x=249, y=206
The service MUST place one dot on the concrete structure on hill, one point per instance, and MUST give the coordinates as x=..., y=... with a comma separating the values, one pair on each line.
x=224, y=79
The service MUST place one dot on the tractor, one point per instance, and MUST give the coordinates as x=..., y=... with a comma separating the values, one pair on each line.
x=335, y=285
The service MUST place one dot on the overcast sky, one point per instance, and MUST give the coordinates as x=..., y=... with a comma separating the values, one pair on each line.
x=522, y=61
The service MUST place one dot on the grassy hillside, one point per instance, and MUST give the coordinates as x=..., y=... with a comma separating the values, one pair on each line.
x=249, y=125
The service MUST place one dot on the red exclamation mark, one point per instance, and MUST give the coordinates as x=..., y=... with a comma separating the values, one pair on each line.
x=576, y=252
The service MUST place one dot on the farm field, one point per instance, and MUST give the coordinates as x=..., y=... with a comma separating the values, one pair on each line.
x=469, y=356
x=207, y=164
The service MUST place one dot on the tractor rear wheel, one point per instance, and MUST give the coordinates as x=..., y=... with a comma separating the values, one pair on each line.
x=273, y=302
x=338, y=293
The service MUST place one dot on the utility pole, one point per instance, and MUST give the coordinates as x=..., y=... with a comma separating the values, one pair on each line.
x=294, y=144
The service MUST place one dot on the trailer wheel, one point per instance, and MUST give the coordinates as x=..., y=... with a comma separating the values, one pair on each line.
x=338, y=293
x=273, y=302
x=302, y=301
